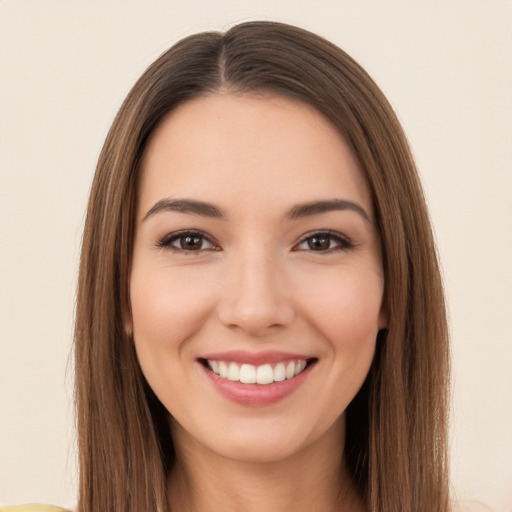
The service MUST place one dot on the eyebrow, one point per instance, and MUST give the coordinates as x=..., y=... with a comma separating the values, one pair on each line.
x=298, y=211
x=318, y=207
x=185, y=206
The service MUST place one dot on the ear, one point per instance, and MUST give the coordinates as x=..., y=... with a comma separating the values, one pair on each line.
x=128, y=327
x=383, y=320
x=126, y=304
x=126, y=313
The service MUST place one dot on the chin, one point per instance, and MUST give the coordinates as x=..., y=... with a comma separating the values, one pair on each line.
x=261, y=450
x=265, y=440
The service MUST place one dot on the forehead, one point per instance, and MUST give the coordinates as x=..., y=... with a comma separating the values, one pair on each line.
x=264, y=147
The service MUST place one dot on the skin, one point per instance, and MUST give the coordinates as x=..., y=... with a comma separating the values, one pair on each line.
x=255, y=283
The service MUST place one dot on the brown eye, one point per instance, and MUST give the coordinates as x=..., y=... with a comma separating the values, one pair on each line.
x=324, y=242
x=187, y=241
x=190, y=243
x=319, y=242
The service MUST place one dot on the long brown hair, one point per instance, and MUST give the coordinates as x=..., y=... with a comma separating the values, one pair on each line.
x=395, y=446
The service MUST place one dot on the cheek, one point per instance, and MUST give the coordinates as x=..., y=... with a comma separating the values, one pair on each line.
x=349, y=317
x=167, y=306
x=343, y=307
x=346, y=307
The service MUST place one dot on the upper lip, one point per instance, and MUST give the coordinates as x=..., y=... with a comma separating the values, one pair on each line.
x=255, y=358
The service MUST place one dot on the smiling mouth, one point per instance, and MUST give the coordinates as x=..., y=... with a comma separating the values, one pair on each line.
x=257, y=374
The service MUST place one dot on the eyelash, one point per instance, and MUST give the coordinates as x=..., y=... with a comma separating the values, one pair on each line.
x=168, y=240
x=343, y=243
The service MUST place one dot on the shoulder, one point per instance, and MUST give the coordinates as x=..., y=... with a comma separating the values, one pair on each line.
x=33, y=507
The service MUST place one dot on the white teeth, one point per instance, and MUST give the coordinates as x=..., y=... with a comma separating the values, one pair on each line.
x=214, y=366
x=223, y=369
x=233, y=372
x=264, y=374
x=279, y=372
x=299, y=367
x=247, y=374
x=250, y=374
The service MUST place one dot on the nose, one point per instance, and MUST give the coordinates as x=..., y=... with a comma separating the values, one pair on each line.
x=256, y=299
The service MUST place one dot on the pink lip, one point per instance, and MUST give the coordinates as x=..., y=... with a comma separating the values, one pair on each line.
x=255, y=358
x=256, y=394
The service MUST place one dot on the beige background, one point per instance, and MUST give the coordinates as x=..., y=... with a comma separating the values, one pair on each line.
x=65, y=67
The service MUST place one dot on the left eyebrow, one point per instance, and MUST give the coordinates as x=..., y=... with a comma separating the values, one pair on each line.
x=318, y=207
x=185, y=206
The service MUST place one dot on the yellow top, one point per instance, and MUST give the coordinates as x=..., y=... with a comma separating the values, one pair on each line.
x=33, y=507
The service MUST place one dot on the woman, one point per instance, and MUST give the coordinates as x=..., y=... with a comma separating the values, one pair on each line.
x=260, y=317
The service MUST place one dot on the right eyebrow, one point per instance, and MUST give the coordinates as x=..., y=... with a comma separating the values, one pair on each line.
x=185, y=206
x=319, y=207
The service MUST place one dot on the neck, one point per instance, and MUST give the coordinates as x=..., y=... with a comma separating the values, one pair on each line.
x=312, y=479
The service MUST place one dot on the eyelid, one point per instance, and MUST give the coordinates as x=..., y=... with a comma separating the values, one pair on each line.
x=344, y=242
x=166, y=241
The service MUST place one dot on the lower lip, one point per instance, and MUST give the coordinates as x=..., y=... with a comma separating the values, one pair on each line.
x=257, y=394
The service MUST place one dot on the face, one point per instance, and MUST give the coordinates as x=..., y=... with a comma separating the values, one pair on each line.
x=256, y=282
